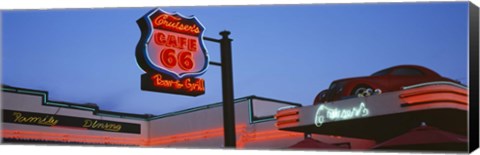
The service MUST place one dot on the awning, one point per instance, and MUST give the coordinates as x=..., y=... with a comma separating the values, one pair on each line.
x=382, y=116
x=426, y=138
x=309, y=143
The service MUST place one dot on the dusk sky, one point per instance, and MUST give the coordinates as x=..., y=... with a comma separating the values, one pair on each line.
x=283, y=52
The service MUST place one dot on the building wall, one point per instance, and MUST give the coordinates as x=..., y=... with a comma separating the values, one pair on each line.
x=204, y=129
x=200, y=127
x=33, y=103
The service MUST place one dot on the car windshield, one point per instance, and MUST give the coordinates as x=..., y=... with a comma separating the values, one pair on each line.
x=407, y=72
x=382, y=72
x=333, y=85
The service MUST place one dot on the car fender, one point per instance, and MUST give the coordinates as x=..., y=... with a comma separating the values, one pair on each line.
x=349, y=86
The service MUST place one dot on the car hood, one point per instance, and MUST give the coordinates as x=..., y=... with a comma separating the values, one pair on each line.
x=353, y=79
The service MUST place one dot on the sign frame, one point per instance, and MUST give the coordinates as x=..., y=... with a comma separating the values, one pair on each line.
x=191, y=25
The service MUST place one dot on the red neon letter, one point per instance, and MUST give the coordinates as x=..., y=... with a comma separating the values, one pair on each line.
x=160, y=38
x=182, y=42
x=185, y=60
x=171, y=41
x=167, y=56
x=192, y=45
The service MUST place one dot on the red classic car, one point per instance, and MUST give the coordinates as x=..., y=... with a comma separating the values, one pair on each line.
x=390, y=79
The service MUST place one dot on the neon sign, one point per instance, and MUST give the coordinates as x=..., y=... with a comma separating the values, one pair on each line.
x=101, y=125
x=193, y=86
x=170, y=22
x=43, y=120
x=53, y=120
x=325, y=113
x=172, y=53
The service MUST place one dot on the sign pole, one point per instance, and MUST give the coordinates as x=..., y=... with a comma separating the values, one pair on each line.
x=227, y=88
x=169, y=48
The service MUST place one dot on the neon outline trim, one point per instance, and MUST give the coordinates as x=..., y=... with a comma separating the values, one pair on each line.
x=287, y=117
x=265, y=119
x=44, y=96
x=9, y=89
x=56, y=104
x=193, y=136
x=264, y=136
x=163, y=70
x=65, y=137
x=108, y=115
x=213, y=105
x=250, y=111
x=84, y=108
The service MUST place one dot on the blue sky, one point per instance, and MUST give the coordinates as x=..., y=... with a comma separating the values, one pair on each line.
x=284, y=52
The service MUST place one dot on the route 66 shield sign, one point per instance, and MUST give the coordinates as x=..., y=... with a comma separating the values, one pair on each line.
x=172, y=44
x=171, y=51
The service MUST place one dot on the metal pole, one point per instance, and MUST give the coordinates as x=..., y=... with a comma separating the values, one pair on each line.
x=227, y=87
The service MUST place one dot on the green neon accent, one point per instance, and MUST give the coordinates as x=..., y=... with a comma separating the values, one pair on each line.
x=279, y=101
x=328, y=113
x=31, y=92
x=56, y=104
x=44, y=95
x=264, y=120
x=9, y=89
x=128, y=117
x=46, y=102
x=102, y=114
x=271, y=118
x=79, y=107
x=214, y=105
x=196, y=109
x=250, y=111
x=183, y=111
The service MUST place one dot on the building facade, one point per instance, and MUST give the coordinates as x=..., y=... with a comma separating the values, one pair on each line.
x=29, y=116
